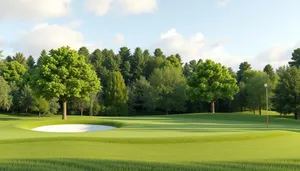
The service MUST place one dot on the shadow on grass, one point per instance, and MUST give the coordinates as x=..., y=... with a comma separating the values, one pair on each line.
x=110, y=165
x=8, y=119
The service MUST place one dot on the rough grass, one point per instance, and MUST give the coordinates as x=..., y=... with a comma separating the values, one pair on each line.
x=180, y=142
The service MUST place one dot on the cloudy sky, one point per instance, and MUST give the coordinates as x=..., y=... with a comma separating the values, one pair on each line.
x=227, y=31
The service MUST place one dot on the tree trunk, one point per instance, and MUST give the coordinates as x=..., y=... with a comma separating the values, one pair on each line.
x=296, y=116
x=91, y=109
x=167, y=112
x=259, y=110
x=213, y=106
x=39, y=114
x=64, y=116
x=254, y=111
x=81, y=111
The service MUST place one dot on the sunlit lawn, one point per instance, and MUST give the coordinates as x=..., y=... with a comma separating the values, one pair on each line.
x=179, y=142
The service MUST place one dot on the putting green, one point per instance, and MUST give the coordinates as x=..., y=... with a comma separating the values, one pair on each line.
x=181, y=142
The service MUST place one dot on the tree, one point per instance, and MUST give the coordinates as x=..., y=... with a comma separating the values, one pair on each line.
x=137, y=63
x=116, y=91
x=53, y=105
x=193, y=65
x=19, y=57
x=172, y=61
x=13, y=72
x=270, y=71
x=147, y=55
x=168, y=89
x=26, y=97
x=16, y=97
x=125, y=53
x=286, y=95
x=242, y=68
x=42, y=56
x=256, y=92
x=109, y=63
x=126, y=68
x=158, y=53
x=40, y=105
x=179, y=58
x=30, y=62
x=5, y=97
x=8, y=59
x=96, y=57
x=152, y=64
x=84, y=52
x=80, y=105
x=93, y=103
x=186, y=70
x=137, y=94
x=295, y=58
x=65, y=75
x=211, y=81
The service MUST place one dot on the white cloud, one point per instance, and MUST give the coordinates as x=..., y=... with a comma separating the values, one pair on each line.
x=74, y=24
x=34, y=9
x=46, y=36
x=173, y=42
x=119, y=39
x=102, y=7
x=276, y=55
x=222, y=3
x=196, y=47
x=98, y=7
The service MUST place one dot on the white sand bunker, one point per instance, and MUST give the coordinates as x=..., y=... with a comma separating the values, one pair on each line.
x=73, y=128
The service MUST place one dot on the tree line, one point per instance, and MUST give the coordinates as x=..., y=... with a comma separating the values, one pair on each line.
x=138, y=82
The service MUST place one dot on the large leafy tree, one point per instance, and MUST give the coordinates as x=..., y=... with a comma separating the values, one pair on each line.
x=13, y=72
x=211, y=81
x=64, y=74
x=167, y=89
x=295, y=58
x=256, y=92
x=286, y=99
x=5, y=97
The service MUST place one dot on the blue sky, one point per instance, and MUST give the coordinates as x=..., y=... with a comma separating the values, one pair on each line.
x=227, y=31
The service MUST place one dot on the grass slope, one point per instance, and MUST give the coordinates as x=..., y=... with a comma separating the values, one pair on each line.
x=180, y=142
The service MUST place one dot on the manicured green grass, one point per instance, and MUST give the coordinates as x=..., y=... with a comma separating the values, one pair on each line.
x=178, y=142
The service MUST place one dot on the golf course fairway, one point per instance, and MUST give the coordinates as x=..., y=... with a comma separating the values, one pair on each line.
x=156, y=143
